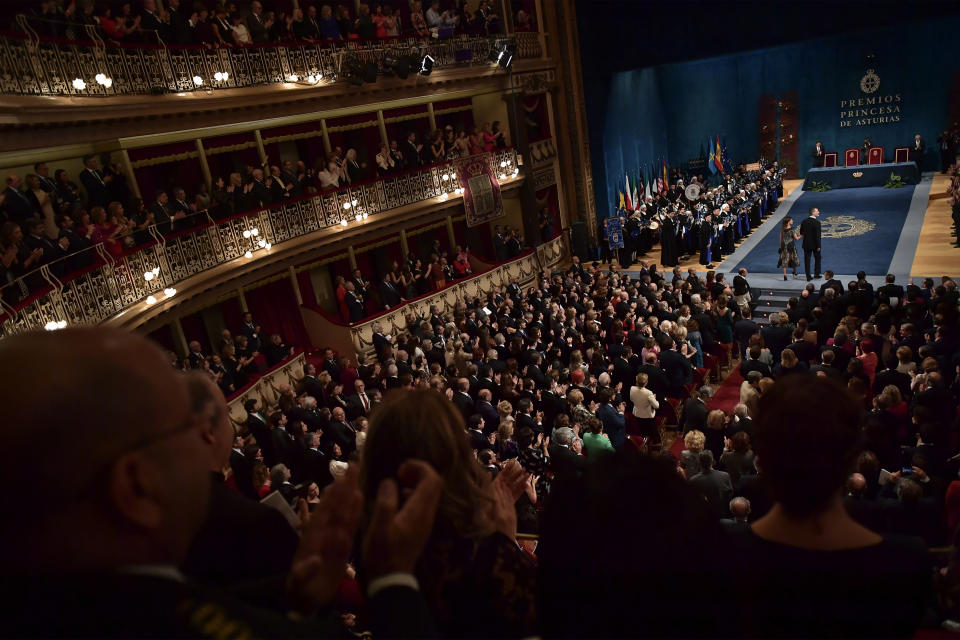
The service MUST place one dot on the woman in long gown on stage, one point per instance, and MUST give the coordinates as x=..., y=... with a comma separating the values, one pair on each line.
x=788, y=250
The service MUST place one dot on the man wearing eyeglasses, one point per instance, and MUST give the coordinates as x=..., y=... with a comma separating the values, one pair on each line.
x=110, y=515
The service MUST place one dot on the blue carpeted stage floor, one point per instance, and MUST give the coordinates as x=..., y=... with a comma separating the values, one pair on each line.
x=860, y=230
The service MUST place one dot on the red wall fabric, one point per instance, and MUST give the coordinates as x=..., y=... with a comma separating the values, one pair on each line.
x=163, y=337
x=306, y=289
x=459, y=120
x=400, y=130
x=194, y=329
x=223, y=164
x=274, y=307
x=232, y=313
x=536, y=120
x=552, y=203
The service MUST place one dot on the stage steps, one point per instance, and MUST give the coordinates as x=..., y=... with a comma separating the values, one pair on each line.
x=771, y=301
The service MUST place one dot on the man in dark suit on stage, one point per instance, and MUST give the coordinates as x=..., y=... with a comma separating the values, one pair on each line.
x=810, y=230
x=917, y=149
x=818, y=155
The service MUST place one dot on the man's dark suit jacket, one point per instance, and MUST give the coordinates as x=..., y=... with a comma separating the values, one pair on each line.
x=613, y=424
x=243, y=474
x=693, y=415
x=316, y=468
x=389, y=294
x=677, y=370
x=355, y=406
x=341, y=434
x=312, y=387
x=656, y=380
x=776, y=338
x=742, y=330
x=97, y=192
x=464, y=403
x=810, y=230
x=754, y=365
x=716, y=488
x=240, y=540
x=354, y=307
x=817, y=156
x=491, y=419
x=564, y=463
x=381, y=345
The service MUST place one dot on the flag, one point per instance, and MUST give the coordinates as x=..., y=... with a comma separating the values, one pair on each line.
x=641, y=194
x=646, y=177
x=666, y=176
x=621, y=198
x=634, y=196
x=710, y=159
x=725, y=159
x=718, y=155
x=626, y=186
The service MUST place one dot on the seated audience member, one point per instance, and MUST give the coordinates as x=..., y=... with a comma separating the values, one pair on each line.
x=472, y=563
x=807, y=566
x=107, y=548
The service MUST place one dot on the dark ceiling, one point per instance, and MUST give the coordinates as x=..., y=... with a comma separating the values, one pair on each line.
x=617, y=35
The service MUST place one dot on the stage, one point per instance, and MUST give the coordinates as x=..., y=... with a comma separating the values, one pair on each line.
x=862, y=175
x=871, y=229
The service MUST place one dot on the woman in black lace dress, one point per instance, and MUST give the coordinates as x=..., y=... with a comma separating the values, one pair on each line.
x=788, y=250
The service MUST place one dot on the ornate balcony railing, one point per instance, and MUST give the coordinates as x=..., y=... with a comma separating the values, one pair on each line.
x=31, y=65
x=529, y=44
x=525, y=269
x=266, y=388
x=109, y=285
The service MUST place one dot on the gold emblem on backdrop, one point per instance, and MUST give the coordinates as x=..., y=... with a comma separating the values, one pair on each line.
x=845, y=227
x=870, y=82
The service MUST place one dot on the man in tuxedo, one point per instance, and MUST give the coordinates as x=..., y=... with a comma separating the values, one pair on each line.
x=462, y=400
x=715, y=486
x=810, y=230
x=316, y=465
x=485, y=409
x=830, y=282
x=108, y=550
x=743, y=329
x=16, y=204
x=164, y=214
x=818, y=155
x=340, y=432
x=612, y=419
x=94, y=182
x=917, y=149
x=354, y=304
x=196, y=357
x=252, y=331
x=181, y=23
x=277, y=350
x=358, y=404
x=381, y=343
x=567, y=464
x=360, y=285
x=411, y=151
x=694, y=412
x=330, y=364
x=475, y=436
x=676, y=368
x=258, y=25
x=389, y=295
x=891, y=290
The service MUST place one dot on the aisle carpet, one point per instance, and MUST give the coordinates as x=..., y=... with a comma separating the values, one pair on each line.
x=860, y=230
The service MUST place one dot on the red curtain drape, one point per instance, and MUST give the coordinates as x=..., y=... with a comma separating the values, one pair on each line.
x=223, y=164
x=306, y=289
x=460, y=233
x=274, y=307
x=480, y=241
x=459, y=120
x=163, y=337
x=400, y=130
x=552, y=203
x=534, y=116
x=194, y=329
x=232, y=313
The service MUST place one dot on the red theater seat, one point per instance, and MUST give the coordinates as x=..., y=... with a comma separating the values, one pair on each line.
x=830, y=159
x=901, y=154
x=875, y=155
x=851, y=157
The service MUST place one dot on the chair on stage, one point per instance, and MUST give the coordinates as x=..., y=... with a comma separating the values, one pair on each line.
x=901, y=154
x=830, y=159
x=875, y=155
x=851, y=157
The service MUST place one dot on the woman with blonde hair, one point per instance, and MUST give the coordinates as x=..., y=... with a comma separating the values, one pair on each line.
x=645, y=407
x=471, y=562
x=693, y=444
x=716, y=432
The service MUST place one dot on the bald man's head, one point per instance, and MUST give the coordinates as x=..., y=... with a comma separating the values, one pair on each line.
x=104, y=430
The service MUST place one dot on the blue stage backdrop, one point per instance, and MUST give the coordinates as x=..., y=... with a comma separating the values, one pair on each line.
x=670, y=110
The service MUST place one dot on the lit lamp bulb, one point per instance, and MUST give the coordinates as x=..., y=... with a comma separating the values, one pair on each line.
x=359, y=217
x=169, y=292
x=218, y=76
x=148, y=276
x=246, y=233
x=365, y=215
x=268, y=246
x=51, y=326
x=445, y=177
x=346, y=205
x=151, y=300
x=311, y=79
x=516, y=170
x=255, y=231
x=453, y=176
x=354, y=203
x=248, y=254
x=156, y=271
x=343, y=222
x=197, y=80
x=262, y=243
x=61, y=324
x=108, y=82
x=79, y=84
x=503, y=163
x=293, y=77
